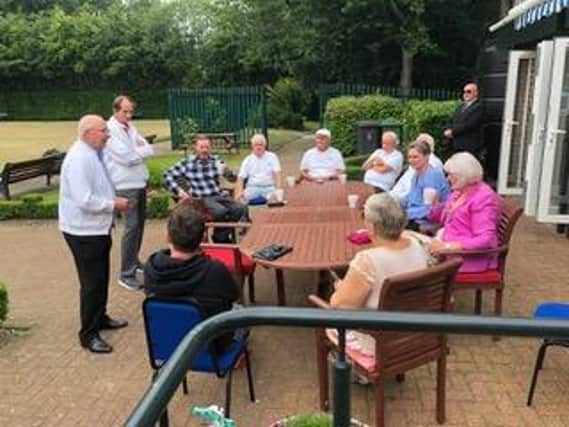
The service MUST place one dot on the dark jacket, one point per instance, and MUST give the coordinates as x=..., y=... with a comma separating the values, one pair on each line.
x=467, y=129
x=205, y=279
x=202, y=278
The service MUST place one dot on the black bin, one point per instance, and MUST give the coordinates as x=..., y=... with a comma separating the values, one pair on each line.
x=370, y=131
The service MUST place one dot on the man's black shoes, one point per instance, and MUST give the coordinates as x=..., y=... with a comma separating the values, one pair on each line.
x=95, y=344
x=109, y=323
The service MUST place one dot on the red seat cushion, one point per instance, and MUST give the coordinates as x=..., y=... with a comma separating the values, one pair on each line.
x=488, y=276
x=227, y=257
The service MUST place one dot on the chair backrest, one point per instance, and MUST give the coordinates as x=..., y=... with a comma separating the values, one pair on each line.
x=509, y=216
x=427, y=290
x=227, y=253
x=166, y=323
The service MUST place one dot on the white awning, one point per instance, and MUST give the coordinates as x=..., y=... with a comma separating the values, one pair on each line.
x=529, y=12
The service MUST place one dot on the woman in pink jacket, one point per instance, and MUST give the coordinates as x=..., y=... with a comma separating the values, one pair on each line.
x=469, y=217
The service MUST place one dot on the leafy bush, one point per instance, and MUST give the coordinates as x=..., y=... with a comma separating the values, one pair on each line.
x=32, y=208
x=157, y=165
x=310, y=420
x=354, y=167
x=343, y=114
x=158, y=205
x=287, y=104
x=186, y=129
x=431, y=117
x=3, y=302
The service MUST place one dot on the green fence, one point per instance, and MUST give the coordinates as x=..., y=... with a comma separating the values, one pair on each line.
x=238, y=110
x=328, y=91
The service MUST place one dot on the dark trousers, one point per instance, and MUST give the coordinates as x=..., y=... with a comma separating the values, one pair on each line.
x=92, y=261
x=133, y=230
x=224, y=209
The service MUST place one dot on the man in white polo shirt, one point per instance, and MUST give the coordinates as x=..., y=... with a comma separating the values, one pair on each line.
x=261, y=169
x=384, y=165
x=124, y=157
x=322, y=162
x=86, y=204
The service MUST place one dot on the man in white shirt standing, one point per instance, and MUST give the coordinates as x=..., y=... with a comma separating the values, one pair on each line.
x=322, y=162
x=261, y=169
x=87, y=202
x=124, y=157
x=385, y=164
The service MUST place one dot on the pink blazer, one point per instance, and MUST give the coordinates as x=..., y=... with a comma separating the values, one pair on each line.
x=474, y=224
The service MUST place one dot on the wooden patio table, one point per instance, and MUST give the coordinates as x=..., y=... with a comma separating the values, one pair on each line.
x=317, y=232
x=328, y=193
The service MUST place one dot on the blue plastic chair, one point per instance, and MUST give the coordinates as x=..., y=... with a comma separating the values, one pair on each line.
x=168, y=321
x=551, y=311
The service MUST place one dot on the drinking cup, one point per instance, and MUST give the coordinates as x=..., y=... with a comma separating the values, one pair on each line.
x=342, y=178
x=290, y=181
x=352, y=200
x=279, y=194
x=429, y=195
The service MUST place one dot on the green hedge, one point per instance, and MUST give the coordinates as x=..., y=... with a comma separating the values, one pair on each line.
x=3, y=302
x=287, y=104
x=36, y=207
x=431, y=117
x=343, y=114
x=354, y=167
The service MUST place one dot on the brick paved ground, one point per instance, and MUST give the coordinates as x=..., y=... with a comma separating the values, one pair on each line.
x=46, y=379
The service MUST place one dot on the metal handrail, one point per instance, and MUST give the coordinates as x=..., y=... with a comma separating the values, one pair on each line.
x=161, y=390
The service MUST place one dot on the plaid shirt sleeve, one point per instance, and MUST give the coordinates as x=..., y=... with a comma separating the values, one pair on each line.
x=177, y=172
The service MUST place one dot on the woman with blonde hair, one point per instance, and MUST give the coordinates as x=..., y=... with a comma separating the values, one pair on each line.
x=469, y=217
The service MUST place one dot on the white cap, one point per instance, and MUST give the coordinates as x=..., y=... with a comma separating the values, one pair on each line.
x=324, y=132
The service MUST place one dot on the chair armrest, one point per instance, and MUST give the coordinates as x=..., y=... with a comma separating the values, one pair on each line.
x=318, y=302
x=477, y=252
x=219, y=246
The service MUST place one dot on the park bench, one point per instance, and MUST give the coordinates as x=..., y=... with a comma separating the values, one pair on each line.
x=220, y=142
x=21, y=171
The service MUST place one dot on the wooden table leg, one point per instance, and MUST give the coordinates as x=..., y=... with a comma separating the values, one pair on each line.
x=280, y=287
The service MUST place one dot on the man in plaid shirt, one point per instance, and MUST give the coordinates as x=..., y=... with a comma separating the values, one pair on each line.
x=198, y=176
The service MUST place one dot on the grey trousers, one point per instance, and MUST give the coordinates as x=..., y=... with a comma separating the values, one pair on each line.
x=133, y=230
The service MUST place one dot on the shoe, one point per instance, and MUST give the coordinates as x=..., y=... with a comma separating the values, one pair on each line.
x=130, y=283
x=139, y=270
x=109, y=323
x=96, y=344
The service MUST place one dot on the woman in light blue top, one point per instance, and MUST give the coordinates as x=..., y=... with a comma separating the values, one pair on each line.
x=429, y=185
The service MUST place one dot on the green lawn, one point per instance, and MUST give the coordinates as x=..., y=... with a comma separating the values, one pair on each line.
x=280, y=137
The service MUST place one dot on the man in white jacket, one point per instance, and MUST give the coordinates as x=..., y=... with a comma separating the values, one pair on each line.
x=86, y=204
x=124, y=157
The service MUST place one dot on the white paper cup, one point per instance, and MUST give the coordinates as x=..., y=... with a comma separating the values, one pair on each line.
x=342, y=178
x=429, y=195
x=290, y=181
x=279, y=194
x=220, y=165
x=353, y=200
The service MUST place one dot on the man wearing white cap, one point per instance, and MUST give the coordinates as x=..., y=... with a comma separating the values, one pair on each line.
x=322, y=162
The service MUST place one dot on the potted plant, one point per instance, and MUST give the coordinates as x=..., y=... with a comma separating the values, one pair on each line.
x=312, y=420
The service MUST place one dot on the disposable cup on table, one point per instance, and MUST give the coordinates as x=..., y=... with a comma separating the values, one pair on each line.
x=352, y=200
x=343, y=178
x=290, y=181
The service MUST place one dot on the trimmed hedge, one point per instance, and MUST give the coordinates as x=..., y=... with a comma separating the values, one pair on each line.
x=343, y=114
x=3, y=303
x=354, y=167
x=35, y=207
x=431, y=117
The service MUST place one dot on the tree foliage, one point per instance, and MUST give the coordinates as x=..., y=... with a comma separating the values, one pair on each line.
x=154, y=43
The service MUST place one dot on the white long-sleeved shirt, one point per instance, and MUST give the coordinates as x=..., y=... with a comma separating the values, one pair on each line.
x=86, y=194
x=124, y=156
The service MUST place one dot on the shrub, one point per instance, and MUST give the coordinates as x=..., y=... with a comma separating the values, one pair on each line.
x=287, y=104
x=157, y=165
x=431, y=117
x=28, y=208
x=343, y=114
x=354, y=167
x=3, y=303
x=158, y=205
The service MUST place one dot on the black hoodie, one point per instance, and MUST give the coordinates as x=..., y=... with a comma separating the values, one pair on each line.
x=201, y=277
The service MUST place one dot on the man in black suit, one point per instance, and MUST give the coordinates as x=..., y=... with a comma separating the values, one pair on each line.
x=466, y=129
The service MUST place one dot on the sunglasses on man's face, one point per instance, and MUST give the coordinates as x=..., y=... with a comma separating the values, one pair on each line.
x=467, y=91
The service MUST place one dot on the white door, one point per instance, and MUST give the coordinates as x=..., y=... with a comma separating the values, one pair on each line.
x=544, y=62
x=554, y=187
x=515, y=132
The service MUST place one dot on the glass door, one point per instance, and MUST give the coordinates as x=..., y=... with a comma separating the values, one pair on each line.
x=540, y=95
x=554, y=187
x=516, y=132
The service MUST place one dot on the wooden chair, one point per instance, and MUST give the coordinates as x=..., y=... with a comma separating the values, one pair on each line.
x=229, y=254
x=426, y=290
x=491, y=279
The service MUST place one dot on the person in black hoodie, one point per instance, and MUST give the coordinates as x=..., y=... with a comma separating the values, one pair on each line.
x=184, y=271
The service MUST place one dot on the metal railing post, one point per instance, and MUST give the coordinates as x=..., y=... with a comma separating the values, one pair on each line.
x=342, y=397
